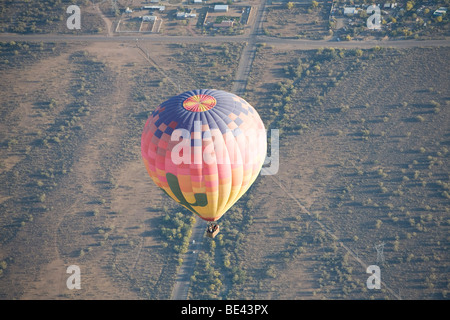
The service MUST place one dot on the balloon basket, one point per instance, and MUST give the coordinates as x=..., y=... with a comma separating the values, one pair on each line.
x=212, y=230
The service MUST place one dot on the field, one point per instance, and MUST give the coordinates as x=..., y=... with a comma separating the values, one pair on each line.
x=302, y=21
x=71, y=168
x=363, y=160
x=47, y=16
x=365, y=152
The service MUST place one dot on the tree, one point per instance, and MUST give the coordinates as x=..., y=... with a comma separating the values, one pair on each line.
x=378, y=224
x=409, y=5
x=290, y=5
x=314, y=4
x=271, y=272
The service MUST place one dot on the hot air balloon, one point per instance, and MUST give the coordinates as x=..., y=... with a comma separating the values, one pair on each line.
x=204, y=148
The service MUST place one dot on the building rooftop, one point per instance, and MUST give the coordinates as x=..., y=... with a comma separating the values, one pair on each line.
x=221, y=7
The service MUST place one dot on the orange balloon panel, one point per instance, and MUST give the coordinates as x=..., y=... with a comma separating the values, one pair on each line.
x=204, y=148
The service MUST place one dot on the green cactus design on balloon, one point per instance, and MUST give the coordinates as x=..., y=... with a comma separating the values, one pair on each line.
x=200, y=198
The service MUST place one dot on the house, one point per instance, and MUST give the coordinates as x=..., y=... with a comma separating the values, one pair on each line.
x=221, y=8
x=348, y=11
x=128, y=10
x=198, y=1
x=160, y=8
x=149, y=18
x=224, y=24
x=388, y=5
x=440, y=12
x=185, y=15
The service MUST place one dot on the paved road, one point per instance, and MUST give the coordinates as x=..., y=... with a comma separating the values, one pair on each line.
x=315, y=44
x=249, y=53
x=294, y=43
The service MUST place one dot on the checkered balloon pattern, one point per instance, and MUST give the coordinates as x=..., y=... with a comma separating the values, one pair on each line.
x=204, y=148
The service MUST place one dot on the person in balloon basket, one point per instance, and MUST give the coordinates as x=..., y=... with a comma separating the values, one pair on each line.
x=212, y=228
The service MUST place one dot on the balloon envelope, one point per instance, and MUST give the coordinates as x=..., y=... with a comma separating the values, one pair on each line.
x=204, y=148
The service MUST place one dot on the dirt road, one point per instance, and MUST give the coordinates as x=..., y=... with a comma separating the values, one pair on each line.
x=181, y=287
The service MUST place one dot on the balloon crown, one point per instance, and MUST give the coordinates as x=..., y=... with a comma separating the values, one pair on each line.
x=199, y=103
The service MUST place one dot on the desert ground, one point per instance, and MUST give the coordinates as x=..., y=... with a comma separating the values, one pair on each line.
x=363, y=162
